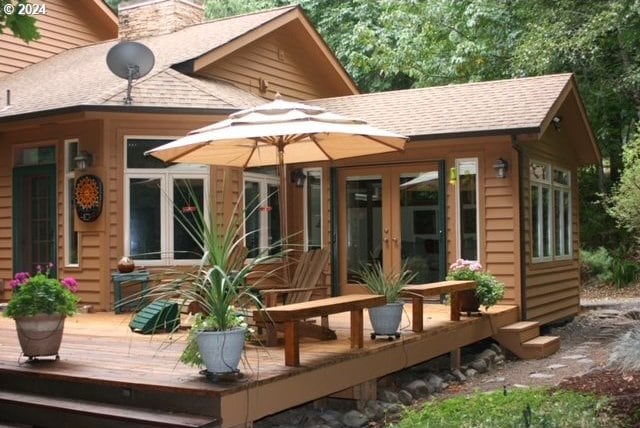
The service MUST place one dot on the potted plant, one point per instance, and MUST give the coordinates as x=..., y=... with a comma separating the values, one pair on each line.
x=385, y=320
x=488, y=291
x=218, y=287
x=39, y=305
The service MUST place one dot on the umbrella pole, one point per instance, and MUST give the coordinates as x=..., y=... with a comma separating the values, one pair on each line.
x=283, y=211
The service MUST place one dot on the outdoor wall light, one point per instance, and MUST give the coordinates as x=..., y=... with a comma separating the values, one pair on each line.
x=298, y=177
x=501, y=166
x=557, y=121
x=453, y=176
x=83, y=160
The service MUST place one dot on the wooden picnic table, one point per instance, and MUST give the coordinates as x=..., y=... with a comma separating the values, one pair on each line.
x=291, y=315
x=418, y=292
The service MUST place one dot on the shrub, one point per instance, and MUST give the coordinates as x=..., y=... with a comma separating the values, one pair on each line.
x=597, y=264
x=488, y=289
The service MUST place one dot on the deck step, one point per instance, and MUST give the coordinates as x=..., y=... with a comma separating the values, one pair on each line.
x=62, y=412
x=523, y=339
x=520, y=326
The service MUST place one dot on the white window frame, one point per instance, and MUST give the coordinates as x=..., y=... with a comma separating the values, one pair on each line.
x=562, y=229
x=167, y=177
x=554, y=229
x=308, y=171
x=263, y=180
x=459, y=208
x=69, y=178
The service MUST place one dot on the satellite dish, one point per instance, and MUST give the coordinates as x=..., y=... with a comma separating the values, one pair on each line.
x=130, y=60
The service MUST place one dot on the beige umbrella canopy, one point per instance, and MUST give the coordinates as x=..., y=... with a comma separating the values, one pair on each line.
x=278, y=133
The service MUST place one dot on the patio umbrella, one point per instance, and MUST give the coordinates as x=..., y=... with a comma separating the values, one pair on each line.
x=278, y=133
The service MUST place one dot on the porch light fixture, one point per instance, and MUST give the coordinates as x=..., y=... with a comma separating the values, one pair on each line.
x=83, y=160
x=298, y=177
x=557, y=121
x=501, y=166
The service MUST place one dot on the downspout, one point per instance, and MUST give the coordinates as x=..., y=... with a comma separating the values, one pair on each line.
x=521, y=208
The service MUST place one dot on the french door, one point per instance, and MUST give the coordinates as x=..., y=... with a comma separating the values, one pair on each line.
x=34, y=217
x=393, y=215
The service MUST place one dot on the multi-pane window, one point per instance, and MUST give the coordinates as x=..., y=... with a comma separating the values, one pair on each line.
x=70, y=235
x=468, y=213
x=262, y=212
x=550, y=212
x=313, y=209
x=162, y=201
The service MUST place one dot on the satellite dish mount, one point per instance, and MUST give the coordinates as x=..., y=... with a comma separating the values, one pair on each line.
x=130, y=60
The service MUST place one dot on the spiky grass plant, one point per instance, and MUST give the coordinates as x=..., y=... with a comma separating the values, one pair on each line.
x=389, y=284
x=218, y=285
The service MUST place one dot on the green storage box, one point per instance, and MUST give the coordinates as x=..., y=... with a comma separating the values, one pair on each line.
x=160, y=315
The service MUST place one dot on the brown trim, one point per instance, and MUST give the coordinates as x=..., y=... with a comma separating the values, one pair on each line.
x=117, y=108
x=468, y=134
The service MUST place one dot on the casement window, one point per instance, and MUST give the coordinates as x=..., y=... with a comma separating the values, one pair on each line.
x=550, y=212
x=70, y=234
x=262, y=211
x=468, y=223
x=160, y=198
x=313, y=209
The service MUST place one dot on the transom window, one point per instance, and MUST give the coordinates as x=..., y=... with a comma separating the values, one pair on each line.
x=160, y=199
x=550, y=212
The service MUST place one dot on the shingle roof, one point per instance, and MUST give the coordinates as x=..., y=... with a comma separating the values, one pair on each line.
x=500, y=106
x=80, y=76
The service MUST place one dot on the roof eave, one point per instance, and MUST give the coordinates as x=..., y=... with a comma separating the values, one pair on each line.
x=119, y=109
x=480, y=133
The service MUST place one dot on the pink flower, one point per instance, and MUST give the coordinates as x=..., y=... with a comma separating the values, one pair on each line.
x=19, y=279
x=70, y=283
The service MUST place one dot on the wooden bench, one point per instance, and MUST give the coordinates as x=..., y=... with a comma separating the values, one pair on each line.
x=292, y=315
x=419, y=291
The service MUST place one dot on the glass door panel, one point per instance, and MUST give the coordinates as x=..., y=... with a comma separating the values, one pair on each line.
x=419, y=224
x=363, y=223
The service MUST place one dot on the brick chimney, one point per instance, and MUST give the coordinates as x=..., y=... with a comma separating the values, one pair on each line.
x=142, y=18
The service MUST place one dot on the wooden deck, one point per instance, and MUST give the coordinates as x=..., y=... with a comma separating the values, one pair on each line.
x=103, y=361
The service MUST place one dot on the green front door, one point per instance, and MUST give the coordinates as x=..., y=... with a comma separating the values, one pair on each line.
x=34, y=217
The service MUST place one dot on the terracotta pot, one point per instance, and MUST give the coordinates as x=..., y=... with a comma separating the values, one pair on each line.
x=126, y=265
x=469, y=301
x=40, y=335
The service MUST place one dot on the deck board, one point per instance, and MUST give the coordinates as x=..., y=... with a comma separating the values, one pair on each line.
x=100, y=349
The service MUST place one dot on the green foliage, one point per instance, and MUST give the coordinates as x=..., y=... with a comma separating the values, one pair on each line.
x=389, y=284
x=40, y=294
x=21, y=25
x=518, y=408
x=617, y=267
x=625, y=200
x=597, y=263
x=488, y=289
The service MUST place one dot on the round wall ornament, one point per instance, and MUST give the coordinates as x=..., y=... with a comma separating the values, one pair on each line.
x=87, y=197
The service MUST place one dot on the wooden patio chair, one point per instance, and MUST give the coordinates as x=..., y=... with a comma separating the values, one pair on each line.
x=304, y=283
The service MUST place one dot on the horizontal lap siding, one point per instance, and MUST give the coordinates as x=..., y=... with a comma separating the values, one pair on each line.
x=552, y=288
x=281, y=61
x=499, y=224
x=66, y=24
